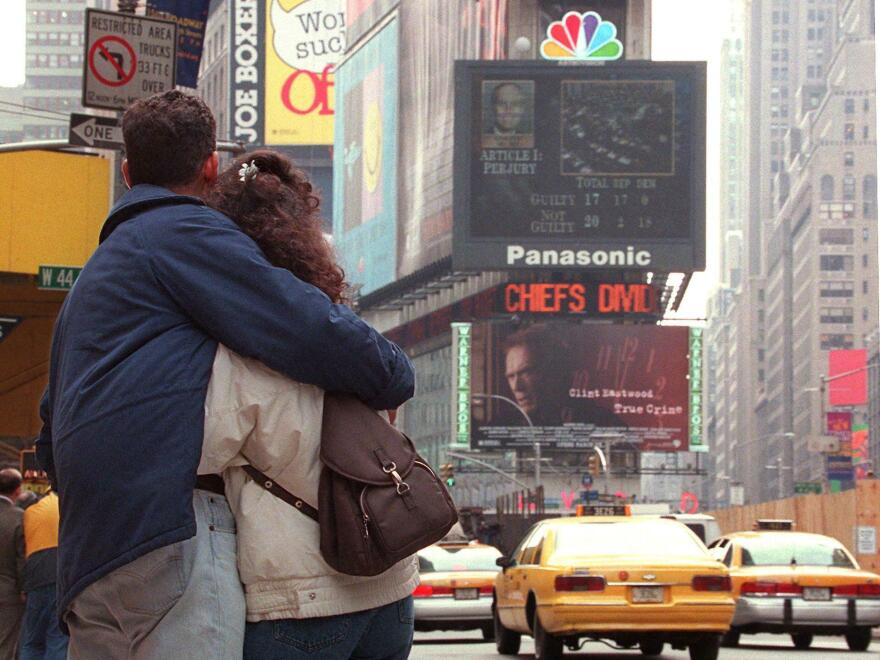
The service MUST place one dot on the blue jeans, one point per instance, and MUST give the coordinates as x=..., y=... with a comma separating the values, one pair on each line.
x=382, y=633
x=183, y=600
x=41, y=638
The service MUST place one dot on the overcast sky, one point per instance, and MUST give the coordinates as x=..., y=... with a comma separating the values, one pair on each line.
x=683, y=30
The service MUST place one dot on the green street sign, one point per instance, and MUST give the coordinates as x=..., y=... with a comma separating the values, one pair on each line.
x=806, y=487
x=57, y=278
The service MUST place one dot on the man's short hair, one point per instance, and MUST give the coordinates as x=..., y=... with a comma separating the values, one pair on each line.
x=10, y=481
x=167, y=138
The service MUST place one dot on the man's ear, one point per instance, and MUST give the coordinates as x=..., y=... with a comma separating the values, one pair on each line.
x=211, y=169
x=126, y=176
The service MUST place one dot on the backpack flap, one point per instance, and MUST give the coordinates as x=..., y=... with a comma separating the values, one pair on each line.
x=411, y=515
x=359, y=444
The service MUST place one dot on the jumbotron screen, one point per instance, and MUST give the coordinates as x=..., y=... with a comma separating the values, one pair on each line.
x=580, y=167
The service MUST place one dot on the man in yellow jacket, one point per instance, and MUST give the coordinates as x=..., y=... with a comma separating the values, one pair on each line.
x=41, y=638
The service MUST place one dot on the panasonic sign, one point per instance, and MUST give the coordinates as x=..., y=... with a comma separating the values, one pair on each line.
x=517, y=255
x=579, y=168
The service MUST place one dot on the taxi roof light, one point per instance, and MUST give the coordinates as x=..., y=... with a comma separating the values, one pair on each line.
x=603, y=510
x=774, y=524
x=579, y=583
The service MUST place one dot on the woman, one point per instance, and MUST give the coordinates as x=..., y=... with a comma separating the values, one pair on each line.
x=297, y=606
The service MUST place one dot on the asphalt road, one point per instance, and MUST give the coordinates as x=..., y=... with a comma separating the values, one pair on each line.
x=461, y=645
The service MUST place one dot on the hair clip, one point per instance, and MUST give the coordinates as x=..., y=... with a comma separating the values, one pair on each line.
x=248, y=171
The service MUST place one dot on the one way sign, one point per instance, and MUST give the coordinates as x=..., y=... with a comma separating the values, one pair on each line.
x=93, y=131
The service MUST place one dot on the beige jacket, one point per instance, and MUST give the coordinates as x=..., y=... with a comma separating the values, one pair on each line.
x=254, y=412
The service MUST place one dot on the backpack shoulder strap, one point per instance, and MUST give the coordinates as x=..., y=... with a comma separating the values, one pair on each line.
x=280, y=492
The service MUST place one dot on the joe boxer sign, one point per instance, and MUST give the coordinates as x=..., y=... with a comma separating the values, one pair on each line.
x=588, y=298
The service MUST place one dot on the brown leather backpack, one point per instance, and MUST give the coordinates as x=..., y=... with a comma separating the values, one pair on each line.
x=378, y=500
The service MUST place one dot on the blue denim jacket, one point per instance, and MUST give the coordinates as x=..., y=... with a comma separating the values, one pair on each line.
x=131, y=358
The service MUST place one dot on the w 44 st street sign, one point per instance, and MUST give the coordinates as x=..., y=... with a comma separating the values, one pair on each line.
x=94, y=131
x=57, y=278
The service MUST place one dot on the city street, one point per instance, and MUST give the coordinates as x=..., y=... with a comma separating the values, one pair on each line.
x=756, y=647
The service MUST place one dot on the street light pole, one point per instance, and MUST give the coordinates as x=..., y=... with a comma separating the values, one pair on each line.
x=537, y=445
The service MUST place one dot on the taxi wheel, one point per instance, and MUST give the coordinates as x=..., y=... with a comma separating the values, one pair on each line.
x=705, y=649
x=506, y=641
x=802, y=641
x=651, y=647
x=547, y=647
x=859, y=639
x=730, y=639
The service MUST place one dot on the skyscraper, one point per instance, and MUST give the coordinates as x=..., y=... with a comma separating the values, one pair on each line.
x=55, y=49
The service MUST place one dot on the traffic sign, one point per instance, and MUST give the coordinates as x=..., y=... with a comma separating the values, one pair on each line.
x=57, y=278
x=128, y=57
x=7, y=323
x=805, y=487
x=92, y=131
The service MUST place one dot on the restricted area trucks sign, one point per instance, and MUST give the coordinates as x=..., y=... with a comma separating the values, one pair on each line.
x=127, y=58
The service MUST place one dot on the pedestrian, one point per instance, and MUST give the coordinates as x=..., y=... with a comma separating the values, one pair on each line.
x=146, y=554
x=41, y=637
x=26, y=498
x=11, y=562
x=297, y=605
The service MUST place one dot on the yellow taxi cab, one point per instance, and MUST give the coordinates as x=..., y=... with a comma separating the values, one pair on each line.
x=637, y=581
x=456, y=584
x=798, y=584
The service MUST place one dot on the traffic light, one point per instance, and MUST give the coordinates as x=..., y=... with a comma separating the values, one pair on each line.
x=593, y=465
x=447, y=474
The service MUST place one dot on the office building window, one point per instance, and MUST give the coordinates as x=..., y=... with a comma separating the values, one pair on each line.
x=869, y=196
x=849, y=106
x=836, y=315
x=849, y=159
x=830, y=289
x=836, y=236
x=864, y=261
x=829, y=342
x=849, y=132
x=849, y=187
x=827, y=188
x=866, y=132
x=835, y=262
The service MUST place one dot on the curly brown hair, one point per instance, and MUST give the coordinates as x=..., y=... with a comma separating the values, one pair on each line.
x=278, y=209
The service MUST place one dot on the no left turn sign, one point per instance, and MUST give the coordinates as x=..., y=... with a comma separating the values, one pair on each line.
x=128, y=58
x=112, y=61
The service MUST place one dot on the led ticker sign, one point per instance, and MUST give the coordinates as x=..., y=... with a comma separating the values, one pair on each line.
x=583, y=298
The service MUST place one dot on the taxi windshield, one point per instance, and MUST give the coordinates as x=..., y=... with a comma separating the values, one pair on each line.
x=794, y=551
x=654, y=539
x=441, y=560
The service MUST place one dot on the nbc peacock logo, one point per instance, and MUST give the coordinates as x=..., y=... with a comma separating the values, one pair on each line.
x=582, y=37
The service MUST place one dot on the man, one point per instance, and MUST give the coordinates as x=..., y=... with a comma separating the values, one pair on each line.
x=41, y=637
x=146, y=555
x=11, y=562
x=538, y=370
x=509, y=104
